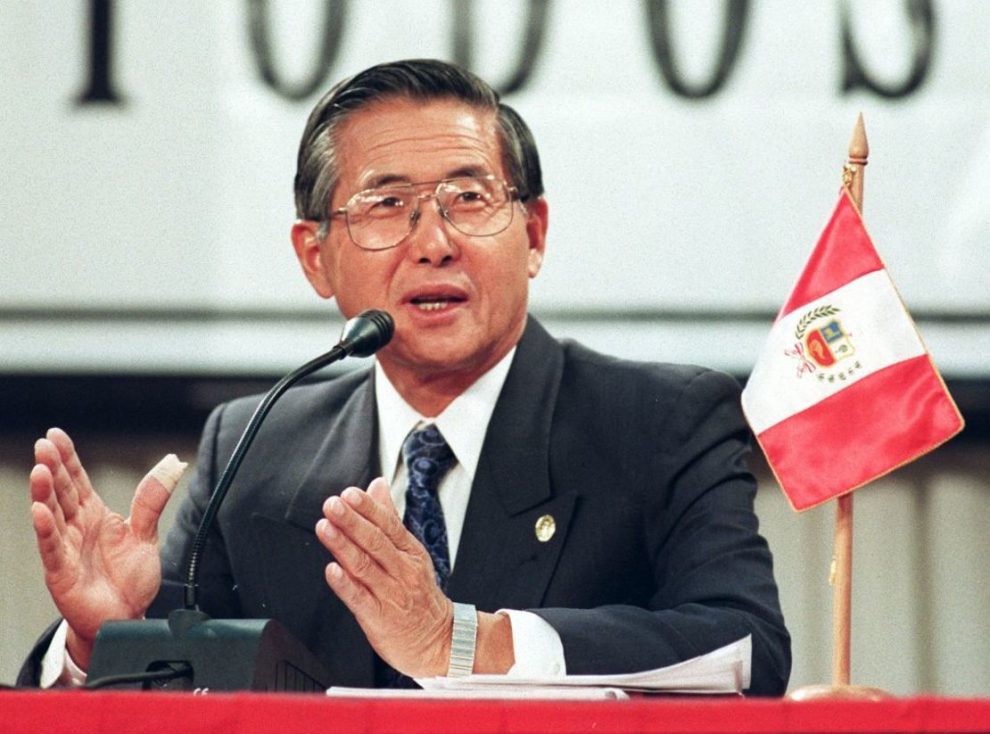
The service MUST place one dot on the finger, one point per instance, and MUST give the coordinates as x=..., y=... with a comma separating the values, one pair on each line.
x=361, y=563
x=42, y=488
x=356, y=597
x=365, y=606
x=73, y=464
x=48, y=454
x=380, y=514
x=382, y=494
x=152, y=494
x=375, y=529
x=49, y=538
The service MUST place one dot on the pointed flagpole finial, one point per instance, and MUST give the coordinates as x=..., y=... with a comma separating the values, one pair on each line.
x=859, y=152
x=859, y=148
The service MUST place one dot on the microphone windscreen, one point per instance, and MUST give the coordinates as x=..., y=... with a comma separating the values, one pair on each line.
x=367, y=332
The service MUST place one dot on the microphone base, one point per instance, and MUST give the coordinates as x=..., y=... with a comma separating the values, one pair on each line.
x=224, y=654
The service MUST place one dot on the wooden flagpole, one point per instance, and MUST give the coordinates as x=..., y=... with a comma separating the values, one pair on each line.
x=841, y=576
x=841, y=572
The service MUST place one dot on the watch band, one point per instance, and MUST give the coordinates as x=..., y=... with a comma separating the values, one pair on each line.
x=463, y=638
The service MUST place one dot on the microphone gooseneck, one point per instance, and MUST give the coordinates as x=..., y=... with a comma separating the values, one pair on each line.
x=362, y=336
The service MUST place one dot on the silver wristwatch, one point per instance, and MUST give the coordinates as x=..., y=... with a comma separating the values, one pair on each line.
x=463, y=638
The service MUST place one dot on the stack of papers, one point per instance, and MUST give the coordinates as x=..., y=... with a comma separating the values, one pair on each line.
x=723, y=671
x=562, y=693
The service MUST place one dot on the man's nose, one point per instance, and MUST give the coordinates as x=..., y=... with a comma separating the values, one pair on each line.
x=429, y=238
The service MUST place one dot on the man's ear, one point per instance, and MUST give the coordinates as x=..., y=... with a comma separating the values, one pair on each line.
x=310, y=251
x=537, y=219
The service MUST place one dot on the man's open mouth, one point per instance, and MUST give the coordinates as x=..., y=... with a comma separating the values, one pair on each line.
x=435, y=303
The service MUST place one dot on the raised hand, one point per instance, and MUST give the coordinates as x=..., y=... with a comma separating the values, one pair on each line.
x=386, y=578
x=98, y=565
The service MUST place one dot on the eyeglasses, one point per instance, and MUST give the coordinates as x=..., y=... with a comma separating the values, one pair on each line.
x=380, y=218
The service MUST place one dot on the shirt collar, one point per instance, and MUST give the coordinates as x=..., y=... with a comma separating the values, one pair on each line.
x=463, y=423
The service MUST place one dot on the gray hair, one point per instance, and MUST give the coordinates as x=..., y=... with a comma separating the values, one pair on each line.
x=317, y=168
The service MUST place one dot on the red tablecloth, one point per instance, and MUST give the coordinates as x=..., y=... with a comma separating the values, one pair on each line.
x=82, y=712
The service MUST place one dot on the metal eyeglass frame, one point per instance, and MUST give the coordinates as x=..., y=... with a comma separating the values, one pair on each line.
x=512, y=195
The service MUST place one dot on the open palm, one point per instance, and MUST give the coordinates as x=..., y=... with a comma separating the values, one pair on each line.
x=98, y=565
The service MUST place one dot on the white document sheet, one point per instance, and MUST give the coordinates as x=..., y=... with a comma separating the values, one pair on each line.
x=726, y=670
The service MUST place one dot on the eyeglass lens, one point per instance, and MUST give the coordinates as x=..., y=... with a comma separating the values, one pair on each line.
x=381, y=218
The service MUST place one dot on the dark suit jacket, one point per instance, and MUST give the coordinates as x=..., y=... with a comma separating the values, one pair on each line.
x=656, y=555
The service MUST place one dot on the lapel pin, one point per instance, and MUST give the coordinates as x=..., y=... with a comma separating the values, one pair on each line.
x=546, y=526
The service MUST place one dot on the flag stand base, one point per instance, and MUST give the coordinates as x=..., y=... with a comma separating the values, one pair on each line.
x=822, y=691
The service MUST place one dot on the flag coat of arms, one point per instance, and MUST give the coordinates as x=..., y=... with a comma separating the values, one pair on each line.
x=844, y=390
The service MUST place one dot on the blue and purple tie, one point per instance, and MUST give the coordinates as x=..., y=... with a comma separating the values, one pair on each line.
x=428, y=458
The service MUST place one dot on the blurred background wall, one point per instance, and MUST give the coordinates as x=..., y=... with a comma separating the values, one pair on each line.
x=692, y=151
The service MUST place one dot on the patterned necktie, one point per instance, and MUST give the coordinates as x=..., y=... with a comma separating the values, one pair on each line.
x=428, y=458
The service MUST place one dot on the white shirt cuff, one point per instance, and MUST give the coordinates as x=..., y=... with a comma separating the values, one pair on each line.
x=58, y=669
x=536, y=645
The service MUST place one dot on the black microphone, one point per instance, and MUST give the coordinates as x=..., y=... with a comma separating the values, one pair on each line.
x=227, y=654
x=366, y=333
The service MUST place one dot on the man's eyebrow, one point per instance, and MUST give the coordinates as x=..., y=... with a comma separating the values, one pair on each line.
x=390, y=179
x=468, y=171
x=385, y=179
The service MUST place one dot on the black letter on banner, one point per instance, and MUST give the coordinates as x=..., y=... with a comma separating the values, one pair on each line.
x=532, y=41
x=921, y=16
x=333, y=26
x=100, y=83
x=663, y=51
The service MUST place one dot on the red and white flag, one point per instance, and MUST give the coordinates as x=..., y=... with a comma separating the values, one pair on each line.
x=844, y=390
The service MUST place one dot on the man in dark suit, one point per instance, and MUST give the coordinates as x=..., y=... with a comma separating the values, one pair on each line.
x=479, y=470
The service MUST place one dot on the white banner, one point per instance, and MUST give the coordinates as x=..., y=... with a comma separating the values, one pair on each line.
x=148, y=169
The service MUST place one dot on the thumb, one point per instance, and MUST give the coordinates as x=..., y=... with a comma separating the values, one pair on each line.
x=152, y=494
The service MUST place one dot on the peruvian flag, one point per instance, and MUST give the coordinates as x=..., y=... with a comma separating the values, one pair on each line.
x=844, y=390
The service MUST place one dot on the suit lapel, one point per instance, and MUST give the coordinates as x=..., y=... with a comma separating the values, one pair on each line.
x=346, y=457
x=500, y=561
